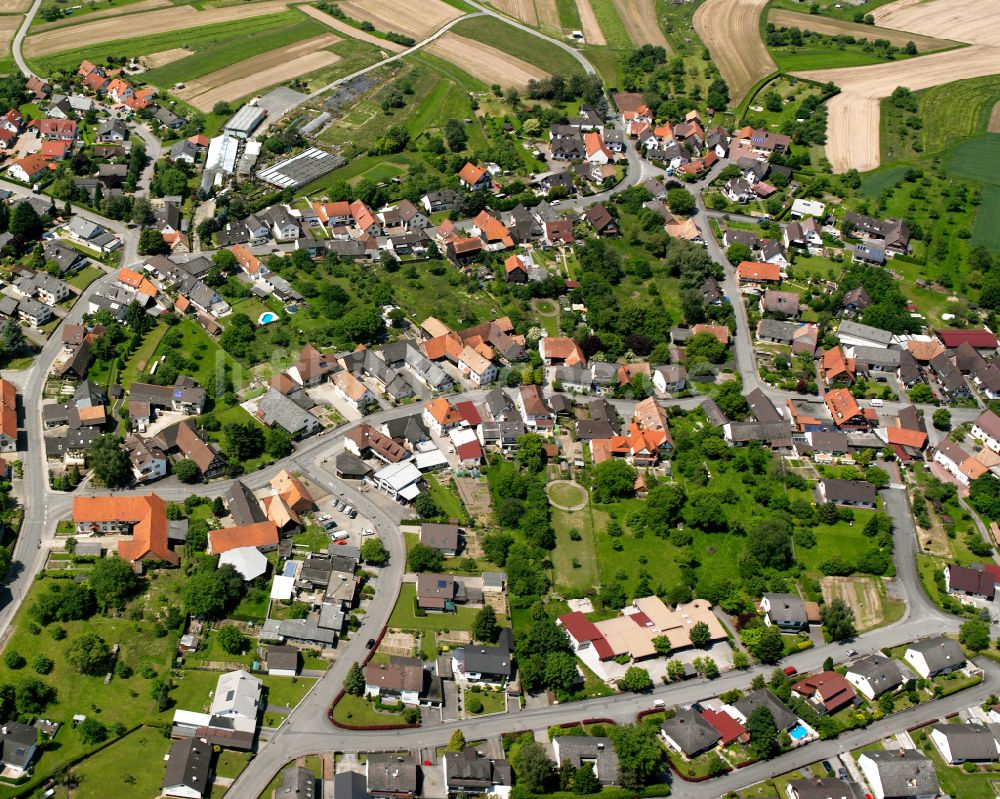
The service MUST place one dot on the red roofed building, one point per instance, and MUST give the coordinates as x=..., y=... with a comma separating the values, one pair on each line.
x=560, y=351
x=827, y=691
x=845, y=409
x=263, y=535
x=469, y=413
x=981, y=340
x=55, y=150
x=729, y=729
x=474, y=177
x=721, y=332
x=95, y=81
x=583, y=634
x=364, y=218
x=470, y=453
x=836, y=367
x=145, y=518
x=758, y=274
x=29, y=169
x=57, y=129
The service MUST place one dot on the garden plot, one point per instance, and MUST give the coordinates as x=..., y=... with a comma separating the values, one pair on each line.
x=260, y=72
x=402, y=16
x=402, y=644
x=486, y=63
x=639, y=19
x=861, y=594
x=162, y=20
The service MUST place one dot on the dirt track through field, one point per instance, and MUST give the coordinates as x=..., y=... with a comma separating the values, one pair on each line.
x=154, y=60
x=418, y=20
x=523, y=10
x=350, y=30
x=994, y=125
x=591, y=30
x=854, y=114
x=163, y=20
x=837, y=27
x=639, y=19
x=260, y=72
x=730, y=30
x=487, y=63
x=116, y=11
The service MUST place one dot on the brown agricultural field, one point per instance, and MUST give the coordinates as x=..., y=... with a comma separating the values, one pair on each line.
x=486, y=63
x=260, y=72
x=418, y=20
x=730, y=30
x=548, y=14
x=8, y=27
x=639, y=19
x=115, y=11
x=994, y=125
x=862, y=596
x=837, y=27
x=349, y=30
x=523, y=10
x=591, y=30
x=14, y=6
x=154, y=60
x=159, y=21
x=853, y=129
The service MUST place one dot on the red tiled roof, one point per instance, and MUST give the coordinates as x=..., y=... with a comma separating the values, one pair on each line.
x=751, y=270
x=471, y=174
x=583, y=629
x=980, y=339
x=724, y=724
x=147, y=515
x=259, y=534
x=843, y=407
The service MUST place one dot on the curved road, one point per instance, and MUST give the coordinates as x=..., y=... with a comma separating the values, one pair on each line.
x=19, y=39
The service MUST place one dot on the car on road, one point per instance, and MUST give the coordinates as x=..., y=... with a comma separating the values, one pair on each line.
x=367, y=531
x=790, y=670
x=852, y=653
x=370, y=644
x=325, y=517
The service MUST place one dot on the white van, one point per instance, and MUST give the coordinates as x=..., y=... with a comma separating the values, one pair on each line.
x=876, y=403
x=343, y=535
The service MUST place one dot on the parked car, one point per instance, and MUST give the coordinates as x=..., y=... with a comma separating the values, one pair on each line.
x=852, y=653
x=350, y=511
x=343, y=535
x=367, y=531
x=370, y=644
x=790, y=670
x=325, y=517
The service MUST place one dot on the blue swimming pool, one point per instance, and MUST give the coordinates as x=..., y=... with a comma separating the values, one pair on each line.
x=292, y=308
x=289, y=568
x=798, y=732
x=267, y=317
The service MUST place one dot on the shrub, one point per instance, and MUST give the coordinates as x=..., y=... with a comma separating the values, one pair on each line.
x=474, y=705
x=42, y=664
x=14, y=659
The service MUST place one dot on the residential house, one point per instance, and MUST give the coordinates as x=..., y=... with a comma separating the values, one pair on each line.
x=30, y=169
x=391, y=776
x=274, y=408
x=560, y=351
x=893, y=234
x=601, y=220
x=983, y=341
x=756, y=274
x=844, y=409
x=8, y=416
x=597, y=751
x=396, y=682
x=440, y=416
x=189, y=768
x=445, y=538
x=467, y=772
x=973, y=581
x=784, y=304
x=352, y=390
x=262, y=535
x=474, y=177
x=965, y=743
x=899, y=774
x=784, y=719
x=828, y=692
x=688, y=733
x=785, y=611
x=143, y=517
x=670, y=379
x=933, y=656
x=855, y=334
x=804, y=235
x=874, y=675
x=849, y=493
x=18, y=744
x=535, y=412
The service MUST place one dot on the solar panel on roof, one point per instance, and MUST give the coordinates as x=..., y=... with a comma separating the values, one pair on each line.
x=442, y=583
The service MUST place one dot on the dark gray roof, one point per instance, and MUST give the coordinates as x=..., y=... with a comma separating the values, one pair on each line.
x=904, y=773
x=939, y=652
x=777, y=330
x=297, y=783
x=849, y=491
x=876, y=356
x=576, y=749
x=769, y=433
x=491, y=660
x=350, y=785
x=189, y=764
x=350, y=465
x=391, y=774
x=783, y=717
x=825, y=788
x=969, y=741
x=690, y=732
x=762, y=408
x=786, y=608
x=243, y=505
x=469, y=771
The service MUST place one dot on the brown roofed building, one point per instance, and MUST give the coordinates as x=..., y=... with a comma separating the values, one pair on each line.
x=8, y=416
x=263, y=535
x=144, y=517
x=293, y=491
x=445, y=538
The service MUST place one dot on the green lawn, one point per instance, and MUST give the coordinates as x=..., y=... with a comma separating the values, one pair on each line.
x=358, y=710
x=230, y=764
x=131, y=767
x=569, y=14
x=84, y=277
x=977, y=159
x=611, y=26
x=567, y=494
x=575, y=562
x=137, y=367
x=211, y=651
x=878, y=180
x=210, y=358
x=404, y=618
x=447, y=500
x=986, y=230
x=286, y=691
x=493, y=702
x=821, y=56
x=954, y=781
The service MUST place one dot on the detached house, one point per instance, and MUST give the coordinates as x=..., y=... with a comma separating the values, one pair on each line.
x=474, y=177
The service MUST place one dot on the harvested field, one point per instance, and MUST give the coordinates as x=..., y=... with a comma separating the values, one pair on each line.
x=350, y=30
x=163, y=20
x=402, y=16
x=861, y=594
x=591, y=30
x=8, y=27
x=972, y=21
x=548, y=14
x=639, y=19
x=730, y=29
x=523, y=10
x=14, y=6
x=486, y=63
x=164, y=57
x=116, y=11
x=994, y=124
x=853, y=128
x=837, y=27
x=259, y=72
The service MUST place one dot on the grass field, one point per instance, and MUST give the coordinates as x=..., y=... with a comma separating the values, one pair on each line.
x=820, y=56
x=404, y=618
x=519, y=44
x=986, y=230
x=123, y=769
x=876, y=181
x=977, y=159
x=575, y=562
x=285, y=29
x=833, y=8
x=228, y=39
x=611, y=25
x=569, y=14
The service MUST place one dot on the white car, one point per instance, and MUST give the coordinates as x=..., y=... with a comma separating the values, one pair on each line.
x=325, y=517
x=366, y=531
